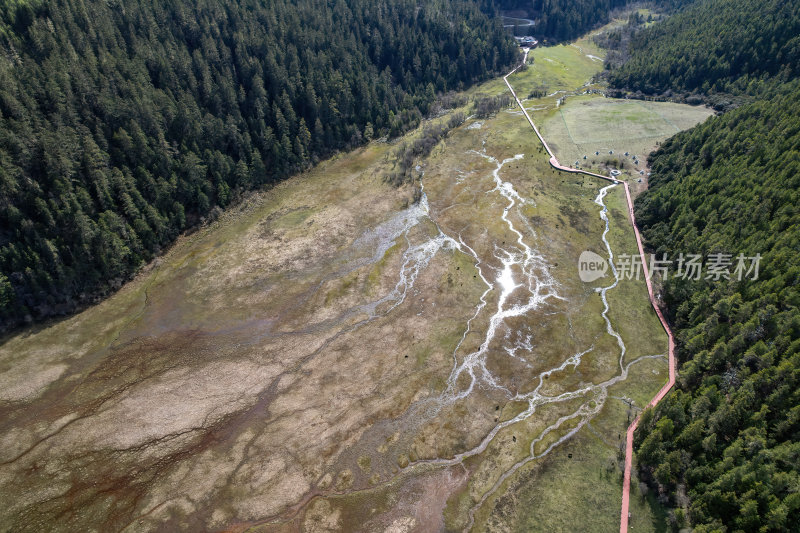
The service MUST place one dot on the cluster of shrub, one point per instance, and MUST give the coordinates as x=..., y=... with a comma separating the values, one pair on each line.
x=407, y=154
x=487, y=106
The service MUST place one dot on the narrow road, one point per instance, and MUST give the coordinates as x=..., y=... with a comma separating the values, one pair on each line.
x=626, y=482
x=528, y=22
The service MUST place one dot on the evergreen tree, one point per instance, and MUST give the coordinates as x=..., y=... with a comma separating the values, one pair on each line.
x=122, y=126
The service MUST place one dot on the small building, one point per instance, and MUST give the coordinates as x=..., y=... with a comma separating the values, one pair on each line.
x=527, y=41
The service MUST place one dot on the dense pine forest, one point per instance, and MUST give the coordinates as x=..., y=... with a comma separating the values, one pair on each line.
x=123, y=123
x=729, y=437
x=723, y=449
x=560, y=20
x=716, y=46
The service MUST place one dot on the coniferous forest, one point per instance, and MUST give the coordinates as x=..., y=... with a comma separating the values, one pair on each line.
x=124, y=122
x=716, y=46
x=726, y=444
x=563, y=19
x=723, y=449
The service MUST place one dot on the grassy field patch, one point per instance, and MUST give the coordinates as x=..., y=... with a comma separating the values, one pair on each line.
x=605, y=129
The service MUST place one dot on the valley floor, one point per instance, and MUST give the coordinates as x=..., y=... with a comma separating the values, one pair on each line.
x=334, y=356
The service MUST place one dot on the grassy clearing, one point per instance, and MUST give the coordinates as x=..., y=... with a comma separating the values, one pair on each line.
x=630, y=310
x=620, y=121
x=587, y=124
x=681, y=116
x=577, y=120
x=583, y=493
x=578, y=486
x=566, y=222
x=557, y=68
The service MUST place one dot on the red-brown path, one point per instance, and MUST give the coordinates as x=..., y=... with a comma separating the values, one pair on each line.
x=626, y=482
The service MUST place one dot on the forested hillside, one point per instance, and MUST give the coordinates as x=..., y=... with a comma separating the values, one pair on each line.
x=124, y=122
x=726, y=443
x=563, y=19
x=716, y=46
x=723, y=449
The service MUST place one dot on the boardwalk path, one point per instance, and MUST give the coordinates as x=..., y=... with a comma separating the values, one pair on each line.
x=626, y=483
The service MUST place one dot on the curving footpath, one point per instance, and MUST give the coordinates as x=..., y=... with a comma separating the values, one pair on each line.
x=626, y=482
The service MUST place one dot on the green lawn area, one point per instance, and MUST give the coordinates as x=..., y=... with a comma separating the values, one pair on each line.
x=579, y=486
x=596, y=120
x=559, y=68
x=591, y=123
x=582, y=124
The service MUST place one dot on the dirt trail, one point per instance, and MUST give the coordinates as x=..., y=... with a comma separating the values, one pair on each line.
x=626, y=484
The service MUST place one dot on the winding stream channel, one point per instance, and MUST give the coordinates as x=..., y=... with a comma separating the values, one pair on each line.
x=146, y=422
x=522, y=270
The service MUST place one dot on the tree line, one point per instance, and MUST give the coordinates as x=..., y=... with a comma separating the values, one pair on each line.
x=560, y=20
x=713, y=48
x=407, y=154
x=723, y=449
x=122, y=123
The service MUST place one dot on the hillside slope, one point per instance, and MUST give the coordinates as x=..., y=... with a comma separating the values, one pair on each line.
x=725, y=445
x=715, y=46
x=121, y=124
